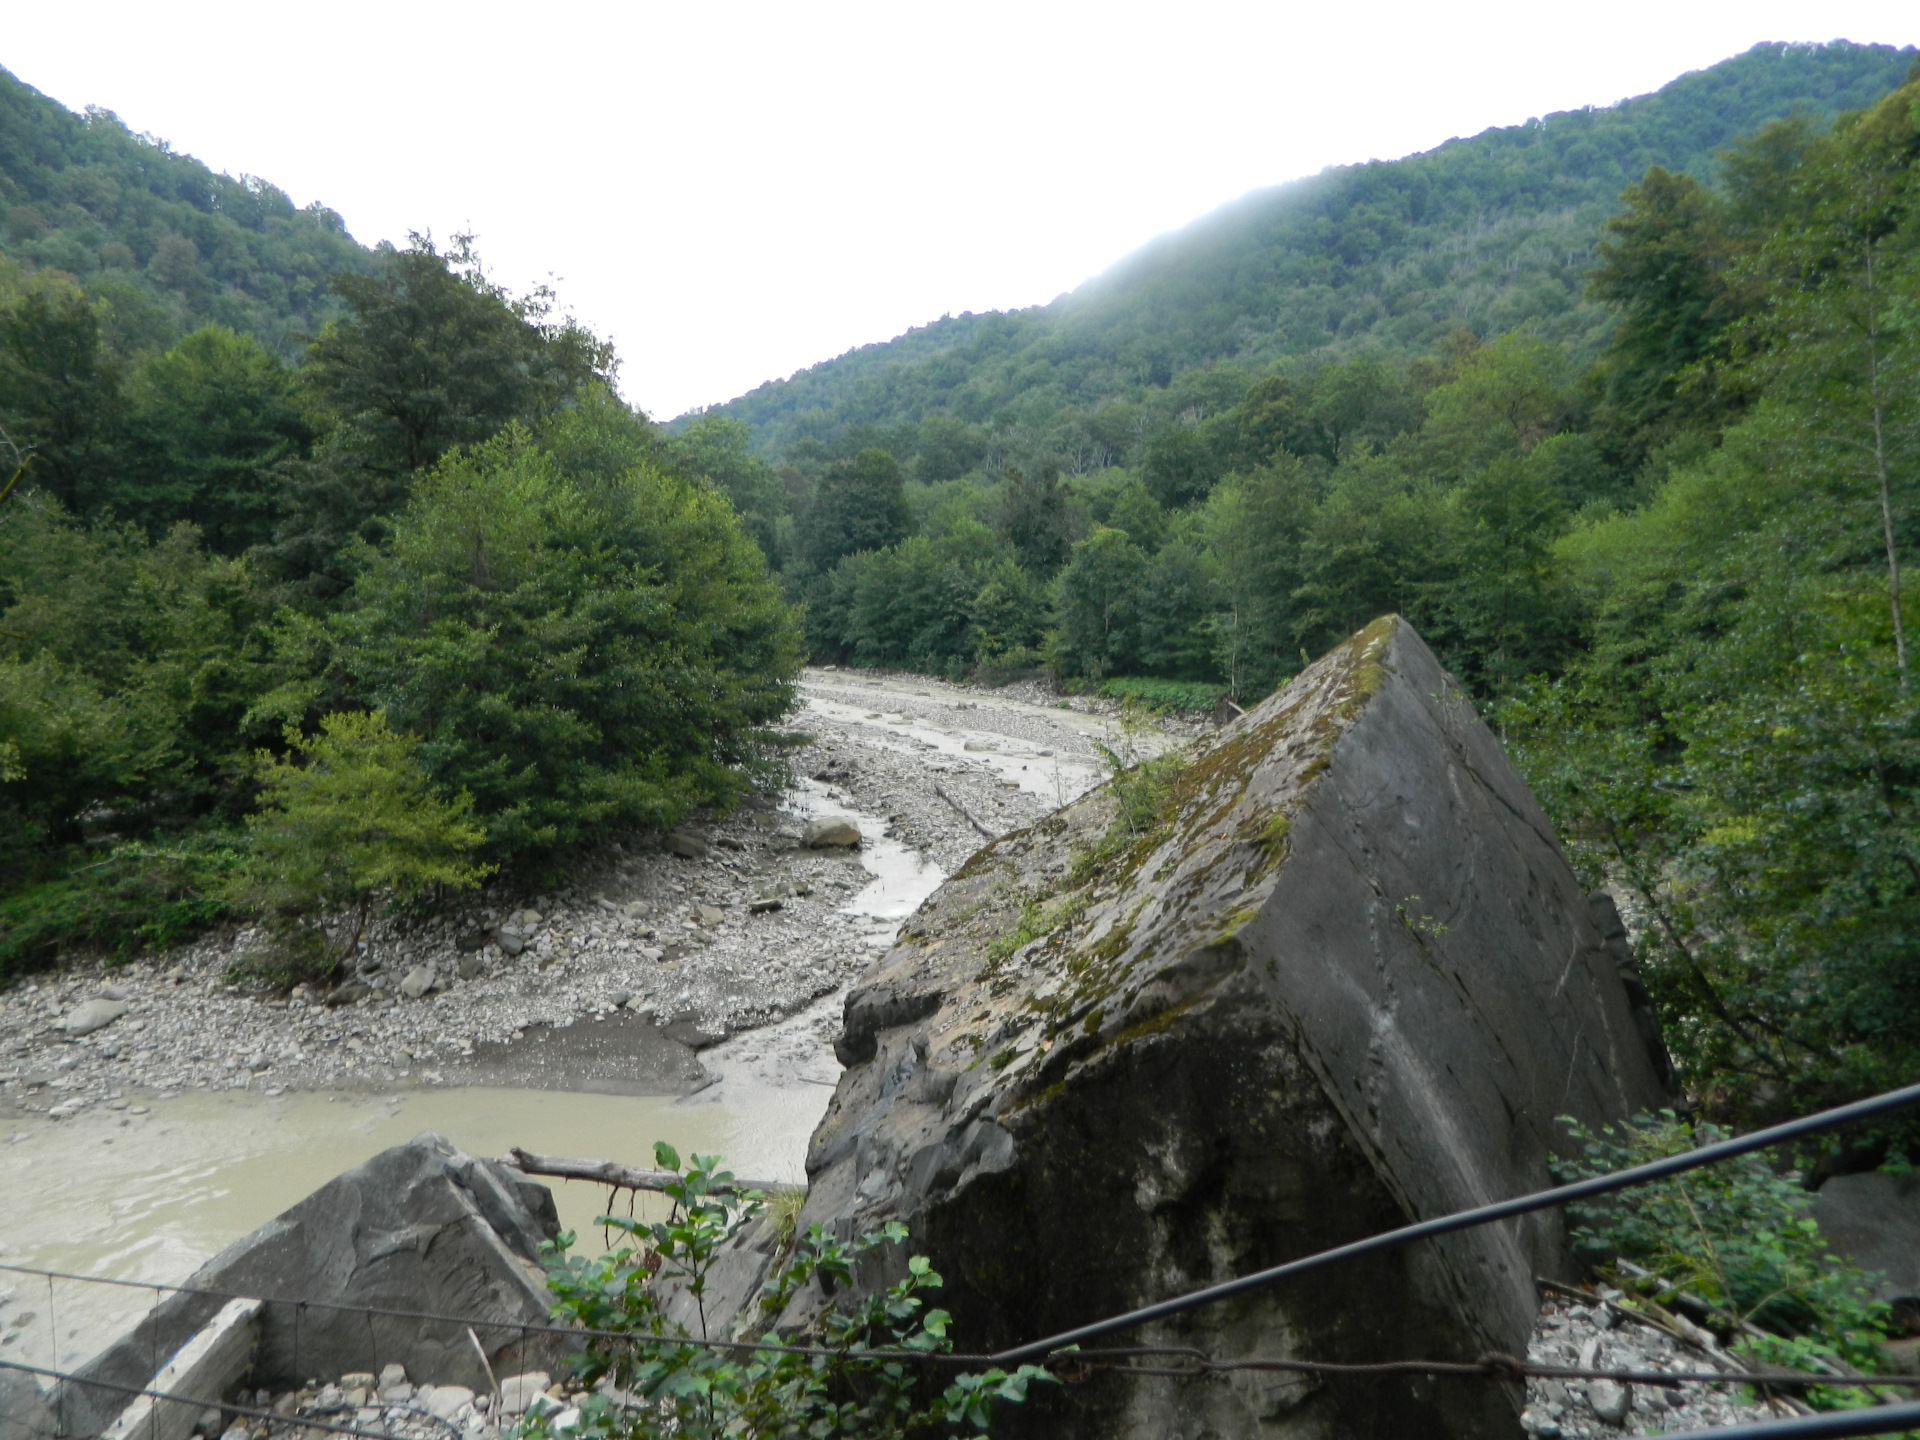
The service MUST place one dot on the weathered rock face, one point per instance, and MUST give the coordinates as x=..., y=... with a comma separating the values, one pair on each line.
x=1346, y=982
x=420, y=1227
x=1873, y=1219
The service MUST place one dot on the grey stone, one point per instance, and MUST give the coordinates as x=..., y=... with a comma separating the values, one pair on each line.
x=418, y=981
x=1352, y=985
x=92, y=1015
x=448, y=1400
x=680, y=842
x=517, y=1391
x=422, y=1226
x=709, y=915
x=1609, y=1400
x=470, y=967
x=1873, y=1220
x=391, y=1375
x=24, y=1411
x=830, y=833
x=510, y=939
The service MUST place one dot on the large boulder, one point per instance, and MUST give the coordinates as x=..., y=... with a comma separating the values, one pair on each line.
x=1348, y=981
x=422, y=1227
x=1873, y=1220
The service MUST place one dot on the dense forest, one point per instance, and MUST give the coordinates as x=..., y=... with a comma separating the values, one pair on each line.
x=162, y=244
x=1486, y=233
x=1656, y=527
x=1649, y=494
x=327, y=575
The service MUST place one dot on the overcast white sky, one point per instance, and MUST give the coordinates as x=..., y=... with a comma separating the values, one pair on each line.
x=735, y=191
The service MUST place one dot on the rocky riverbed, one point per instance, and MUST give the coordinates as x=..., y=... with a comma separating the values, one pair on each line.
x=1601, y=1336
x=659, y=946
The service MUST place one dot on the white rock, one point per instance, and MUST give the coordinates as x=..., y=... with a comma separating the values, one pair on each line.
x=822, y=834
x=517, y=1391
x=94, y=1015
x=419, y=980
x=446, y=1401
x=1610, y=1400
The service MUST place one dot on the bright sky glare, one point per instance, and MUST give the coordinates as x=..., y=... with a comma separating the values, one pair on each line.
x=734, y=191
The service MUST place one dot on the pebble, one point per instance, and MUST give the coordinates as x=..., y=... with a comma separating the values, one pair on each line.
x=1576, y=1335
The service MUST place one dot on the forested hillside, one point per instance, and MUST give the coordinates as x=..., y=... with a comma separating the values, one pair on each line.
x=160, y=242
x=1385, y=258
x=1652, y=505
x=289, y=641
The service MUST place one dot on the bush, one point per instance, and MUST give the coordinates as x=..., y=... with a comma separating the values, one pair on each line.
x=139, y=897
x=1741, y=1236
x=356, y=821
x=693, y=1393
x=1164, y=694
x=579, y=640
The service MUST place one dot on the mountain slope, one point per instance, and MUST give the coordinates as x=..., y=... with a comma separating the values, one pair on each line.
x=1488, y=232
x=166, y=241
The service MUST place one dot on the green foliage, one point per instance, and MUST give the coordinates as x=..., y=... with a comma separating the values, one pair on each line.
x=1164, y=694
x=1141, y=788
x=1489, y=231
x=59, y=389
x=860, y=505
x=660, y=1387
x=357, y=820
x=141, y=896
x=157, y=239
x=557, y=610
x=580, y=640
x=431, y=355
x=212, y=422
x=1741, y=1236
x=1736, y=744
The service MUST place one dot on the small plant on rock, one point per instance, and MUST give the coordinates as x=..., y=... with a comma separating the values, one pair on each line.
x=866, y=1374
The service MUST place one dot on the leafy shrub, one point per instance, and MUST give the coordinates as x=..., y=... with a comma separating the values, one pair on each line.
x=1141, y=787
x=1165, y=694
x=356, y=821
x=581, y=641
x=1741, y=1236
x=139, y=897
x=661, y=1387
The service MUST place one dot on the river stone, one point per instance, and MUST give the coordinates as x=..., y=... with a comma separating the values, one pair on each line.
x=418, y=981
x=826, y=834
x=517, y=1391
x=1348, y=983
x=679, y=842
x=1610, y=1400
x=447, y=1401
x=420, y=1227
x=92, y=1015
